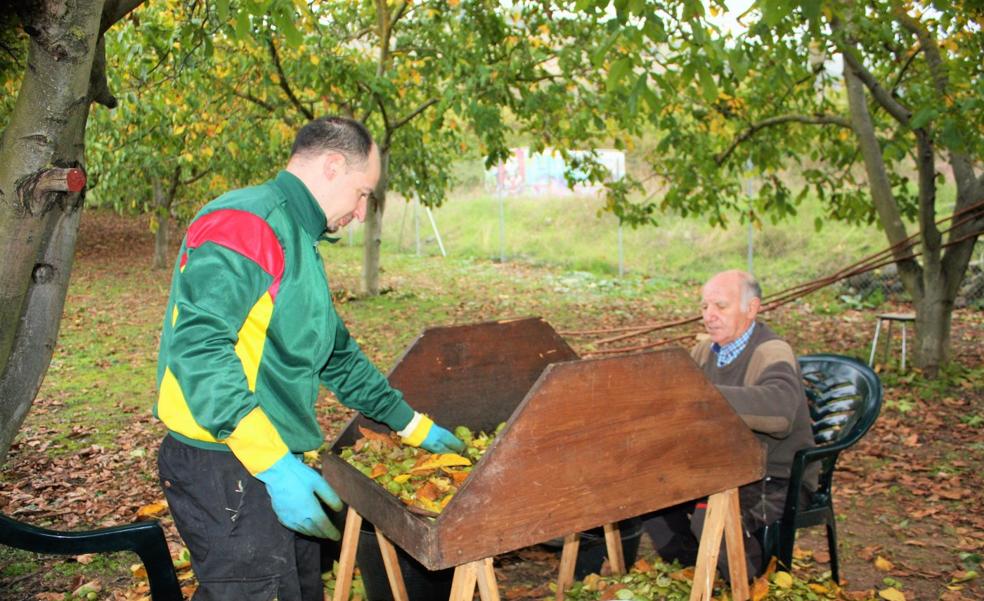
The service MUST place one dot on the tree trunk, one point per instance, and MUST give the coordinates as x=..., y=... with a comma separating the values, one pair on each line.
x=162, y=211
x=38, y=230
x=374, y=230
x=933, y=317
x=933, y=285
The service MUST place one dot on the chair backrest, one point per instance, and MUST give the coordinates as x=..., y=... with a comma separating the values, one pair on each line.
x=845, y=397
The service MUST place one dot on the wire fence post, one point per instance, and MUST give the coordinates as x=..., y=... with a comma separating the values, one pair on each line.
x=437, y=234
x=621, y=252
x=416, y=221
x=502, y=223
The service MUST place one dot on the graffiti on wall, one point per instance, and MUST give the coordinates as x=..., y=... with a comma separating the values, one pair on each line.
x=543, y=173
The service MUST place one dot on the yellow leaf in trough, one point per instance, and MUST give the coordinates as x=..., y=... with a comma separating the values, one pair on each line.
x=891, y=594
x=151, y=510
x=400, y=479
x=378, y=470
x=438, y=461
x=818, y=588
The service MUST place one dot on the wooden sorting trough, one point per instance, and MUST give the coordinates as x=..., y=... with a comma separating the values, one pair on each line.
x=587, y=441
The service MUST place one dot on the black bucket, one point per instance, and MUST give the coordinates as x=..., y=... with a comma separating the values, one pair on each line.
x=592, y=551
x=422, y=584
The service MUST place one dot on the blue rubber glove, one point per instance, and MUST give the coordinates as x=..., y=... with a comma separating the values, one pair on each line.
x=294, y=490
x=424, y=433
x=439, y=440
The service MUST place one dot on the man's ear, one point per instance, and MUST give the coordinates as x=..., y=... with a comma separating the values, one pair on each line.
x=753, y=307
x=332, y=164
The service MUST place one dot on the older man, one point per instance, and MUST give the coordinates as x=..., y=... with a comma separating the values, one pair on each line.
x=756, y=371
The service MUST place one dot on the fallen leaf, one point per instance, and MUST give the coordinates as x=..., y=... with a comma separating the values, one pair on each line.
x=883, y=564
x=427, y=492
x=377, y=436
x=963, y=576
x=760, y=588
x=821, y=556
x=818, y=588
x=151, y=510
x=138, y=571
x=684, y=574
x=891, y=594
x=783, y=579
x=93, y=586
x=378, y=470
x=86, y=558
x=434, y=462
x=643, y=566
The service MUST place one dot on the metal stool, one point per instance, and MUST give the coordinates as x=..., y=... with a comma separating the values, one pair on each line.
x=902, y=318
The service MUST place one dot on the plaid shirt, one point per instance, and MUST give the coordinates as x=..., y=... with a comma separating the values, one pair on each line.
x=729, y=352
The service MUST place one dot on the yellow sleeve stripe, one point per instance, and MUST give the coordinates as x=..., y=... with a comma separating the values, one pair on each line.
x=256, y=442
x=416, y=438
x=173, y=410
x=252, y=336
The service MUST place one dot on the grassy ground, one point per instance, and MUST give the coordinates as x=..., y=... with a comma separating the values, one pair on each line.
x=86, y=455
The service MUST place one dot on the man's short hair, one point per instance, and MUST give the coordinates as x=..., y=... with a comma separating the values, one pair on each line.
x=339, y=134
x=750, y=289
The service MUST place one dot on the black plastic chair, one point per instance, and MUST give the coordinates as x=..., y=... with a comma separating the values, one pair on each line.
x=146, y=539
x=845, y=397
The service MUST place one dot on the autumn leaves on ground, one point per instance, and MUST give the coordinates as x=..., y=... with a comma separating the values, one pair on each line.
x=908, y=496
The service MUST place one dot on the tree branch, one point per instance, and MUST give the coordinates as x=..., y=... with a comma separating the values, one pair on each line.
x=423, y=107
x=194, y=178
x=261, y=103
x=114, y=10
x=284, y=84
x=779, y=120
x=894, y=108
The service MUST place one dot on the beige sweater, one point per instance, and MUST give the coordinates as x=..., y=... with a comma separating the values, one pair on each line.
x=764, y=387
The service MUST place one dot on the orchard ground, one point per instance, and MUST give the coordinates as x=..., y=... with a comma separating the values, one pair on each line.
x=907, y=497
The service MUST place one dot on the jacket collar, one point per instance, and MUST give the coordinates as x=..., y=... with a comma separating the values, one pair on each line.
x=301, y=205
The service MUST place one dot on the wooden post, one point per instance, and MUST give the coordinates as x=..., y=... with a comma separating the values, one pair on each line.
x=723, y=515
x=393, y=573
x=568, y=559
x=463, y=585
x=613, y=541
x=346, y=559
x=734, y=541
x=488, y=590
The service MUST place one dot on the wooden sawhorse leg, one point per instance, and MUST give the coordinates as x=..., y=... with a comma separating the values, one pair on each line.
x=346, y=559
x=568, y=557
x=466, y=576
x=723, y=518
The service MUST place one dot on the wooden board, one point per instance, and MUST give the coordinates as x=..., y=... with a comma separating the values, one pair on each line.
x=591, y=442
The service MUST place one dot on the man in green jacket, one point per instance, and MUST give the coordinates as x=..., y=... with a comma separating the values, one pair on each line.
x=757, y=373
x=249, y=334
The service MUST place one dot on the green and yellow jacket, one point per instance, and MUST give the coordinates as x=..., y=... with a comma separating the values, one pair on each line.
x=250, y=331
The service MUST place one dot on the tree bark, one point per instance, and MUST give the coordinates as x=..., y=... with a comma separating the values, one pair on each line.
x=162, y=212
x=933, y=285
x=374, y=229
x=38, y=229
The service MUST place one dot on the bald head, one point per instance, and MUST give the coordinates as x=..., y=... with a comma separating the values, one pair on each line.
x=729, y=303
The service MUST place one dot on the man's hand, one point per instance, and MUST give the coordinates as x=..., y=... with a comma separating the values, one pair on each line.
x=424, y=433
x=294, y=490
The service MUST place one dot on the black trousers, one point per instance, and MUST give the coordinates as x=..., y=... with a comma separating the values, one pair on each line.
x=675, y=531
x=238, y=548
